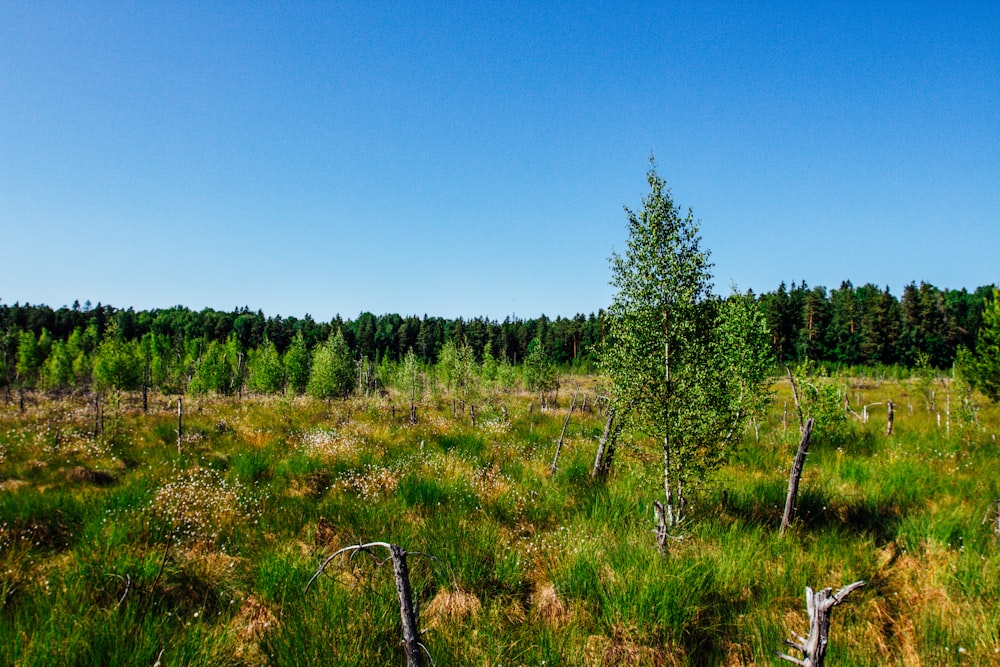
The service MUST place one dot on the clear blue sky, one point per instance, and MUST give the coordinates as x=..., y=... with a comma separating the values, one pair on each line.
x=473, y=158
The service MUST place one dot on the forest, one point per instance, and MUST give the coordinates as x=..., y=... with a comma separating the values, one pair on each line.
x=844, y=327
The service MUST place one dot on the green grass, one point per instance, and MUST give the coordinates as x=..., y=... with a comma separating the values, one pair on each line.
x=117, y=548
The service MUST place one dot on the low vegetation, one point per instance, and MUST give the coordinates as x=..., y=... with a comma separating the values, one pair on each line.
x=121, y=548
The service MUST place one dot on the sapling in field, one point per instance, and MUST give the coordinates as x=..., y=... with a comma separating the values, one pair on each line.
x=691, y=365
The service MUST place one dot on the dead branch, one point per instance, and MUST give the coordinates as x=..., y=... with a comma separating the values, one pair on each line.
x=411, y=634
x=819, y=605
x=795, y=475
x=562, y=434
x=795, y=394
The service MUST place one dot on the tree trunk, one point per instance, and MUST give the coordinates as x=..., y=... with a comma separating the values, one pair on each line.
x=562, y=434
x=889, y=417
x=602, y=462
x=661, y=526
x=818, y=604
x=793, y=478
x=668, y=515
x=411, y=631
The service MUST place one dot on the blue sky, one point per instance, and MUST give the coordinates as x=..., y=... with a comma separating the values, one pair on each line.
x=473, y=159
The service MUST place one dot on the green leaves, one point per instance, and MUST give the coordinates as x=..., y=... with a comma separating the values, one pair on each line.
x=332, y=374
x=982, y=367
x=688, y=365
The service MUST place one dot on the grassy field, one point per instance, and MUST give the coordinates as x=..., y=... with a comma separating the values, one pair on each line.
x=121, y=549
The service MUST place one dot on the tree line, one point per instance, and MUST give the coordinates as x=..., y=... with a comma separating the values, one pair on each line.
x=869, y=326
x=850, y=325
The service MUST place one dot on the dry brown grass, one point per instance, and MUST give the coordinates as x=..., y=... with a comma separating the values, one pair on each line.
x=548, y=607
x=253, y=621
x=451, y=607
x=620, y=650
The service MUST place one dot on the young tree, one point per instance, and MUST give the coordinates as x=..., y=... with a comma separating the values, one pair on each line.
x=539, y=372
x=30, y=358
x=411, y=382
x=117, y=364
x=981, y=368
x=332, y=374
x=57, y=372
x=297, y=364
x=220, y=370
x=688, y=366
x=266, y=373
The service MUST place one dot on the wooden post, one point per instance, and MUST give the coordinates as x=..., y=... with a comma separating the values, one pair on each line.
x=97, y=414
x=947, y=416
x=180, y=424
x=889, y=417
x=813, y=647
x=793, y=478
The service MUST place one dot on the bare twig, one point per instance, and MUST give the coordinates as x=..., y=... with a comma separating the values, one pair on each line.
x=128, y=585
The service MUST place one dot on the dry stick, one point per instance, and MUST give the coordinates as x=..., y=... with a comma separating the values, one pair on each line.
x=818, y=604
x=156, y=579
x=995, y=511
x=180, y=424
x=795, y=394
x=599, y=469
x=555, y=460
x=411, y=633
x=795, y=475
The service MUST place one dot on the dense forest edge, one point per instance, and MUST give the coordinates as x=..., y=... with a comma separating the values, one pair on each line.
x=174, y=349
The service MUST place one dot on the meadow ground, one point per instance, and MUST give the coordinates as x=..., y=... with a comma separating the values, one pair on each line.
x=122, y=549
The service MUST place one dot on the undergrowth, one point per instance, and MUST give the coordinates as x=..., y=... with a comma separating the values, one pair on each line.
x=120, y=548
